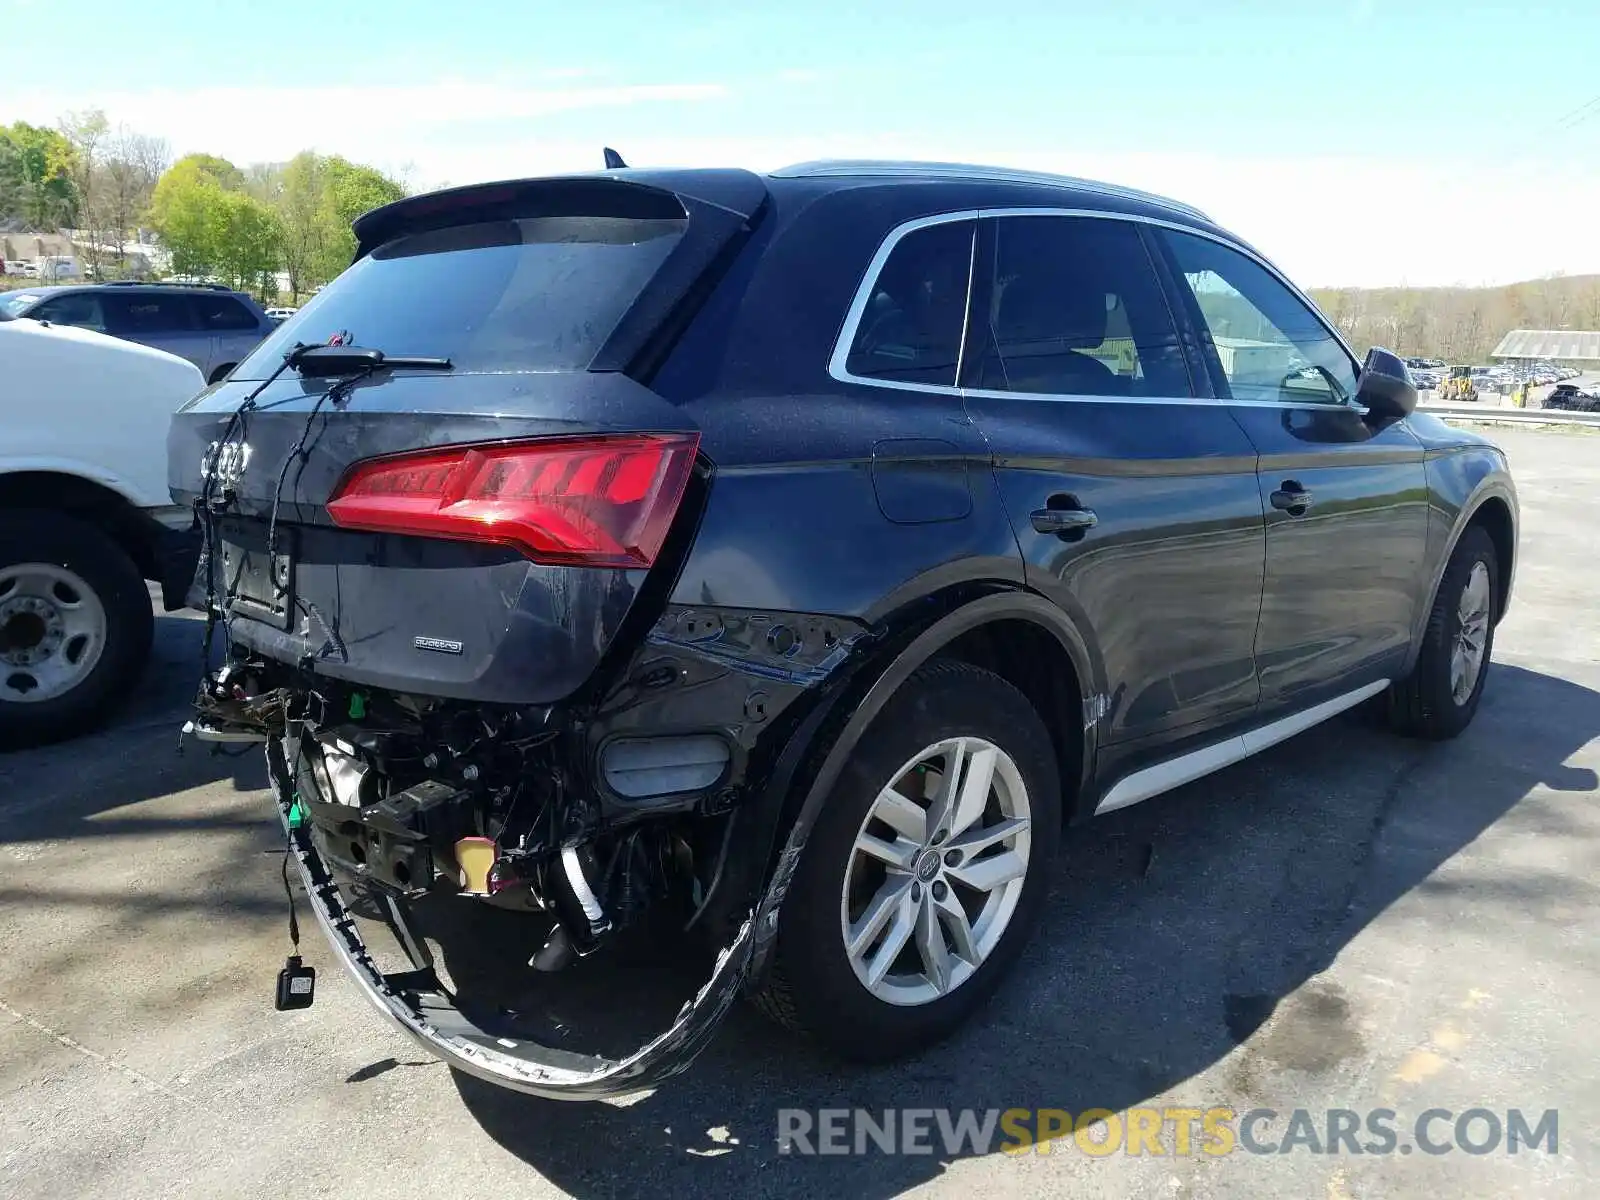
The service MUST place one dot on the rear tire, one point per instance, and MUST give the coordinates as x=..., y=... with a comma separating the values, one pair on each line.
x=1441, y=695
x=950, y=719
x=221, y=372
x=76, y=626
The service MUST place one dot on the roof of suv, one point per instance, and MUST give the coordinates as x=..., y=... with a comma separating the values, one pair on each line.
x=743, y=192
x=969, y=172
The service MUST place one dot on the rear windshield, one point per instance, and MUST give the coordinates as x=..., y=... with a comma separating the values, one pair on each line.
x=538, y=294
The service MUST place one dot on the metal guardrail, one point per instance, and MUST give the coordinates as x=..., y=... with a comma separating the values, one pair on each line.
x=1494, y=414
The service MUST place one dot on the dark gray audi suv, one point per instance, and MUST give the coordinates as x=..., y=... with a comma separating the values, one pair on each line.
x=786, y=558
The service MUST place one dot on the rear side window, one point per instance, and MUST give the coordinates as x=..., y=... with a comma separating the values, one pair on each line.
x=1076, y=309
x=536, y=294
x=222, y=314
x=146, y=314
x=910, y=329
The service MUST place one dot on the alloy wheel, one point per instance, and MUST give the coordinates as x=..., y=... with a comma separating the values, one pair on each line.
x=936, y=871
x=1472, y=633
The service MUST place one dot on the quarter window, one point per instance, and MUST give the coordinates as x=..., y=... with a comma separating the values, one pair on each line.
x=222, y=313
x=1075, y=309
x=910, y=330
x=1269, y=345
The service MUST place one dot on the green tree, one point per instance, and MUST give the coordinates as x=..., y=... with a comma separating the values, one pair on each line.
x=186, y=209
x=249, y=241
x=302, y=213
x=349, y=190
x=36, y=176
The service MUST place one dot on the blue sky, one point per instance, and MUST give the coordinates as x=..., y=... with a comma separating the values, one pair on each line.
x=1365, y=141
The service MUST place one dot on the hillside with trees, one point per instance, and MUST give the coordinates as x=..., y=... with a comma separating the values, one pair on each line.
x=1459, y=325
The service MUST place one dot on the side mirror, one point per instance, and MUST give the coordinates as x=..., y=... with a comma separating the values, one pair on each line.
x=1385, y=386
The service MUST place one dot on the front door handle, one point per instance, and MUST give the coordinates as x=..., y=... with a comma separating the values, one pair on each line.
x=1065, y=521
x=1291, y=498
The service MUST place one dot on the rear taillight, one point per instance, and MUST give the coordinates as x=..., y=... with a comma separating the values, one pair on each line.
x=593, y=501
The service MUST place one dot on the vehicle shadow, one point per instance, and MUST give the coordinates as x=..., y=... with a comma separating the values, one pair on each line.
x=1173, y=932
x=49, y=792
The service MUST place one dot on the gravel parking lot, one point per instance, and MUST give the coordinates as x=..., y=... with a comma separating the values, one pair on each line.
x=1349, y=921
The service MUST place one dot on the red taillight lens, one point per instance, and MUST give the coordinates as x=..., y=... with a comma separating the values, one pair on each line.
x=593, y=501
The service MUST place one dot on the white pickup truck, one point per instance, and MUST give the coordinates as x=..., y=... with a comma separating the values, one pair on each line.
x=85, y=520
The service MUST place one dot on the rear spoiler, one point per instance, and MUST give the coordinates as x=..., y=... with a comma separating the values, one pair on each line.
x=721, y=206
x=612, y=193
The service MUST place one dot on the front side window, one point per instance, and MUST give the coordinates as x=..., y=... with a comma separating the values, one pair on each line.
x=81, y=309
x=1076, y=309
x=910, y=329
x=14, y=304
x=1269, y=345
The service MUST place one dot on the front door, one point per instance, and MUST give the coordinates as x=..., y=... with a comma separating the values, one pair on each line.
x=1346, y=503
x=1134, y=499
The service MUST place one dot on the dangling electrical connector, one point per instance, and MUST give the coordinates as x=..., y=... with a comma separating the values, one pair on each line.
x=297, y=983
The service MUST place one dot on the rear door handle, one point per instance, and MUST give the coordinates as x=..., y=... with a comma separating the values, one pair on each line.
x=1291, y=498
x=1064, y=520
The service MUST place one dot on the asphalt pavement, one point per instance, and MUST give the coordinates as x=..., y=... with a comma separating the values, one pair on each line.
x=1349, y=921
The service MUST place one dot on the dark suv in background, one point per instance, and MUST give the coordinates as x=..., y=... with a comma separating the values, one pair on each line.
x=211, y=326
x=787, y=557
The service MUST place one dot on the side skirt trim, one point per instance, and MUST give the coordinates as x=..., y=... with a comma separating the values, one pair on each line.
x=1163, y=777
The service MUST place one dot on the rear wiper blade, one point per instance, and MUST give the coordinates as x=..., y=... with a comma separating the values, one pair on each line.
x=323, y=362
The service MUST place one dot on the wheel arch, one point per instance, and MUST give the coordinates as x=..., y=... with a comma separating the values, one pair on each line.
x=1493, y=506
x=89, y=500
x=994, y=628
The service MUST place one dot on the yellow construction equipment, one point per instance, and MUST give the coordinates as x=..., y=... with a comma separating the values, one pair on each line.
x=1459, y=385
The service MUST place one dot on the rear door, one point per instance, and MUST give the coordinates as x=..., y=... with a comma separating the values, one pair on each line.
x=164, y=320
x=1133, y=497
x=1346, y=504
x=234, y=327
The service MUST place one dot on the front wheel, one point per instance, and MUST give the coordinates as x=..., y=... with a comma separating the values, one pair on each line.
x=1441, y=695
x=925, y=872
x=76, y=626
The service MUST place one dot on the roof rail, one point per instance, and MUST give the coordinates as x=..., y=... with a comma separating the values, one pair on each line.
x=166, y=283
x=903, y=170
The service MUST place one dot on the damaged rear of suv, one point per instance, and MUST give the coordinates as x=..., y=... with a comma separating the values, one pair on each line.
x=716, y=549
x=533, y=563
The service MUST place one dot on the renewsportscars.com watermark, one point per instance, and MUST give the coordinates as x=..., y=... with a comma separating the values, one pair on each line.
x=1174, y=1131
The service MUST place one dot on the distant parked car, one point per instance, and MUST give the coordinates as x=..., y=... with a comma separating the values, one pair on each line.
x=279, y=315
x=212, y=327
x=1571, y=397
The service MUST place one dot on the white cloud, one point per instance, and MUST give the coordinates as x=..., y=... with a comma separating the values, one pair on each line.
x=1326, y=221
x=383, y=124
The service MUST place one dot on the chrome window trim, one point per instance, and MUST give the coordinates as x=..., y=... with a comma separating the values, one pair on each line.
x=841, y=348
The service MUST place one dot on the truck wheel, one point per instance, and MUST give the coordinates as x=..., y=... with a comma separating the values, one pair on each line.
x=924, y=873
x=76, y=626
x=1438, y=699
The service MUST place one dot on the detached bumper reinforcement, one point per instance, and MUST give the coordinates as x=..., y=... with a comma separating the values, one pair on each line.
x=418, y=1003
